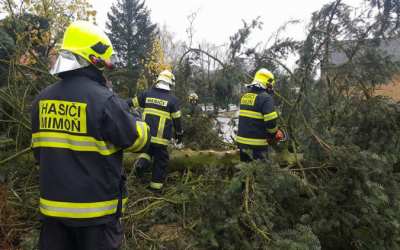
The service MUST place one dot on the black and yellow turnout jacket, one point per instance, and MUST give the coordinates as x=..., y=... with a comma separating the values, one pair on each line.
x=257, y=119
x=161, y=112
x=79, y=131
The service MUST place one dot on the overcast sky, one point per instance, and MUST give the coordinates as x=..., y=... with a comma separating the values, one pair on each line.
x=219, y=19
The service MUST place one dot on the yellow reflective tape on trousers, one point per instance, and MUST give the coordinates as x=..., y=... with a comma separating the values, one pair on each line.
x=141, y=140
x=145, y=156
x=176, y=115
x=270, y=116
x=156, y=112
x=72, y=142
x=157, y=140
x=79, y=210
x=156, y=185
x=250, y=114
x=251, y=141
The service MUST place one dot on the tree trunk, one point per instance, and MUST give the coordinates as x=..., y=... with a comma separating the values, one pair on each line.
x=189, y=159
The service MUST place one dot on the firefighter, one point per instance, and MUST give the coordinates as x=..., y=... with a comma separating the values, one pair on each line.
x=193, y=98
x=79, y=132
x=161, y=112
x=194, y=108
x=258, y=118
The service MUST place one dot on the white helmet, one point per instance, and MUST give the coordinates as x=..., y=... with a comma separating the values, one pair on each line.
x=165, y=80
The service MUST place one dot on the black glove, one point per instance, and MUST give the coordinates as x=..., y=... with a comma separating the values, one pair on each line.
x=179, y=137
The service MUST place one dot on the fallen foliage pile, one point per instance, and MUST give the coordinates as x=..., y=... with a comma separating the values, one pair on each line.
x=334, y=185
x=200, y=133
x=343, y=198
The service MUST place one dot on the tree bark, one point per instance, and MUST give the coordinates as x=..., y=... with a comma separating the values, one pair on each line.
x=189, y=159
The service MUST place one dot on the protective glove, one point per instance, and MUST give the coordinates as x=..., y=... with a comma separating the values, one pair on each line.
x=277, y=137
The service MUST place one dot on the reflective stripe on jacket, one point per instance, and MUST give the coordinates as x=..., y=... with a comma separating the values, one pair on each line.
x=257, y=119
x=161, y=112
x=79, y=132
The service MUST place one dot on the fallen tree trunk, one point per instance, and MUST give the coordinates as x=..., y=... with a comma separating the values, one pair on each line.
x=189, y=159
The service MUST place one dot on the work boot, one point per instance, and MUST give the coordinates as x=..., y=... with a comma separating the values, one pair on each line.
x=155, y=192
x=156, y=188
x=140, y=169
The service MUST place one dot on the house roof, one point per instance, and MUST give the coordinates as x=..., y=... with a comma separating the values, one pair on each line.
x=388, y=47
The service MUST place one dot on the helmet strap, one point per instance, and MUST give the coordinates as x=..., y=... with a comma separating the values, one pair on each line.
x=270, y=90
x=100, y=63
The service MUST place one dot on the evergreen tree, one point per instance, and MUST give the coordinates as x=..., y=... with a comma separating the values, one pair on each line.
x=131, y=33
x=7, y=48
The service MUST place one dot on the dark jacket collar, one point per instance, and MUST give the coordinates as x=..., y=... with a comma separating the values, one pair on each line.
x=90, y=72
x=160, y=90
x=256, y=89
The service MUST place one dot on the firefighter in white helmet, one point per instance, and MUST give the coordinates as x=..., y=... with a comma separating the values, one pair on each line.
x=162, y=113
